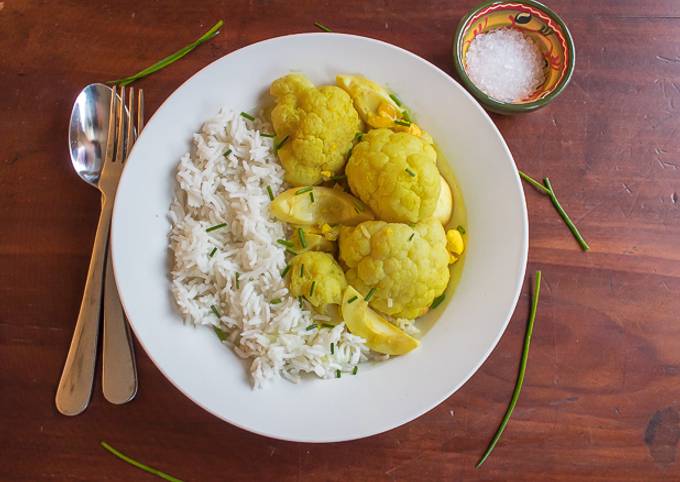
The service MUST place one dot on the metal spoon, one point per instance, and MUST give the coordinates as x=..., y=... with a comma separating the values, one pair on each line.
x=88, y=131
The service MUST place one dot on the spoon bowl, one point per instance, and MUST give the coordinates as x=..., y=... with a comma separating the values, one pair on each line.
x=88, y=129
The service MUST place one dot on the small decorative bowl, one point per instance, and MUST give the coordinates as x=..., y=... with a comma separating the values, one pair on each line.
x=538, y=22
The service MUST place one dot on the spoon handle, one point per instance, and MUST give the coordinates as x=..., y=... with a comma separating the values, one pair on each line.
x=119, y=373
x=75, y=385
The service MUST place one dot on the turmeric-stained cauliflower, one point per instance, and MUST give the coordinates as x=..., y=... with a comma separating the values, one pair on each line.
x=319, y=123
x=407, y=266
x=317, y=277
x=396, y=174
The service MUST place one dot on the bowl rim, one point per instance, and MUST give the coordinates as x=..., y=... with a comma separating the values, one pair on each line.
x=506, y=107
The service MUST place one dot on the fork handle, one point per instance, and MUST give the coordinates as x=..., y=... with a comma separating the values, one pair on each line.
x=119, y=373
x=75, y=385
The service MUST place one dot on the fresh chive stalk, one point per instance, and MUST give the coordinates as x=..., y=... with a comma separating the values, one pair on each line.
x=245, y=115
x=402, y=122
x=460, y=229
x=212, y=252
x=161, y=64
x=302, y=270
x=356, y=369
x=301, y=237
x=332, y=348
x=304, y=190
x=411, y=237
x=321, y=26
x=370, y=294
x=437, y=301
x=396, y=100
x=214, y=310
x=270, y=193
x=311, y=288
x=281, y=143
x=311, y=196
x=310, y=327
x=547, y=189
x=138, y=464
x=410, y=172
x=215, y=228
x=291, y=251
x=522, y=371
x=285, y=271
x=352, y=299
x=284, y=242
x=271, y=136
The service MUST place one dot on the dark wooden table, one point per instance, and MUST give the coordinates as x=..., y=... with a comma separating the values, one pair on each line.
x=601, y=399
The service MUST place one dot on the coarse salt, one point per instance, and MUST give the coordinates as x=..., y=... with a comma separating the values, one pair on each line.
x=505, y=64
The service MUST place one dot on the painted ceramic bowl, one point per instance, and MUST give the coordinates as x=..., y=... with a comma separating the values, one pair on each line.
x=536, y=21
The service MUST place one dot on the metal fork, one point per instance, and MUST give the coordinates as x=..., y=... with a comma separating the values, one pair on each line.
x=75, y=386
x=119, y=372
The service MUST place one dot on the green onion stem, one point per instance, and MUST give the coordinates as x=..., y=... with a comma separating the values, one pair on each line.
x=139, y=465
x=522, y=370
x=565, y=217
x=161, y=64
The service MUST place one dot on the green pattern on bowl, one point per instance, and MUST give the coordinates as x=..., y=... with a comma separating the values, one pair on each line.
x=536, y=21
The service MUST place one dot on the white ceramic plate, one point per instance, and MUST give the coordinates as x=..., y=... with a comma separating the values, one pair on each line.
x=381, y=396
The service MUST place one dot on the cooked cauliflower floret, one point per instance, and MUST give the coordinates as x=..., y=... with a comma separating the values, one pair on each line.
x=320, y=124
x=396, y=174
x=317, y=277
x=407, y=266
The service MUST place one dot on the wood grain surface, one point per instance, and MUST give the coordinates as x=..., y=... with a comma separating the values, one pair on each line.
x=601, y=399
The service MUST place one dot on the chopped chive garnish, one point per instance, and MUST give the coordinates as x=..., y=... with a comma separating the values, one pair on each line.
x=285, y=243
x=270, y=193
x=406, y=116
x=395, y=99
x=216, y=227
x=311, y=288
x=311, y=196
x=310, y=327
x=410, y=172
x=327, y=325
x=281, y=143
x=275, y=301
x=214, y=310
x=358, y=136
x=302, y=270
x=228, y=151
x=332, y=348
x=285, y=271
x=522, y=370
x=301, y=237
x=300, y=301
x=267, y=135
x=220, y=334
x=411, y=237
x=238, y=282
x=358, y=206
x=139, y=465
x=212, y=253
x=245, y=115
x=437, y=301
x=356, y=369
x=352, y=299
x=337, y=178
x=321, y=26
x=304, y=190
x=291, y=251
x=370, y=294
x=161, y=64
x=460, y=229
x=338, y=374
x=402, y=122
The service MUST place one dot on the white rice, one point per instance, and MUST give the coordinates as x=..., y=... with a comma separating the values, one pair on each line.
x=213, y=189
